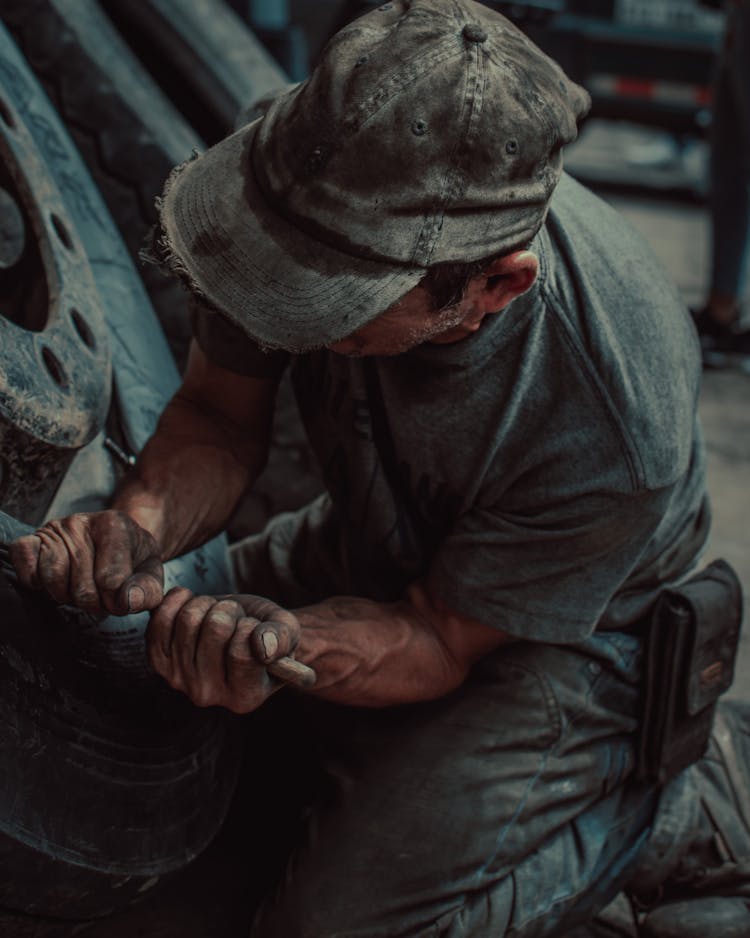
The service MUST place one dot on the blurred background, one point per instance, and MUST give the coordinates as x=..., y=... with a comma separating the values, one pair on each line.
x=133, y=88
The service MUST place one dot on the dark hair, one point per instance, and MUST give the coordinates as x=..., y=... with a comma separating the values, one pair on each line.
x=447, y=283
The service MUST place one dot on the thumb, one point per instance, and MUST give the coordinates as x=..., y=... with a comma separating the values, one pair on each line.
x=272, y=640
x=144, y=588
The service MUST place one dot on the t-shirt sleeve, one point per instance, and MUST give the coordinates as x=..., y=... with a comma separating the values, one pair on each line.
x=226, y=345
x=547, y=576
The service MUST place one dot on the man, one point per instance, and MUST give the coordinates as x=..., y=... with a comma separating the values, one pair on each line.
x=500, y=388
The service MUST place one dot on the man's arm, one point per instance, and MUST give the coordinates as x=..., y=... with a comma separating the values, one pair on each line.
x=211, y=443
x=379, y=654
x=365, y=653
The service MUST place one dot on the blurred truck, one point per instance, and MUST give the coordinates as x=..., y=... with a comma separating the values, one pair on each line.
x=647, y=61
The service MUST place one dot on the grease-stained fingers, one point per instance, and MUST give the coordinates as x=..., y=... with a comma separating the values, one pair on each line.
x=188, y=625
x=160, y=629
x=144, y=589
x=53, y=568
x=207, y=685
x=293, y=672
x=274, y=639
x=24, y=555
x=82, y=586
x=215, y=637
x=246, y=678
x=266, y=610
x=202, y=646
x=114, y=557
x=114, y=562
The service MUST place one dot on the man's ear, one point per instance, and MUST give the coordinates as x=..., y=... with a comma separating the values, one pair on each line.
x=506, y=278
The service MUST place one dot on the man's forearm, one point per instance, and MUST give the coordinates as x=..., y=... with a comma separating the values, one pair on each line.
x=189, y=477
x=365, y=653
x=384, y=654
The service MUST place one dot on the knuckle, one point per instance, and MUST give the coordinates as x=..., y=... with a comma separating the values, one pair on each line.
x=75, y=524
x=220, y=622
x=204, y=696
x=230, y=607
x=286, y=630
x=176, y=597
x=110, y=520
x=109, y=581
x=52, y=558
x=110, y=572
x=85, y=597
x=25, y=546
x=238, y=656
x=78, y=554
x=176, y=681
x=191, y=616
x=53, y=572
x=54, y=527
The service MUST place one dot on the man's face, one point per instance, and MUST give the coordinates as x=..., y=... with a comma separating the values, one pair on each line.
x=411, y=322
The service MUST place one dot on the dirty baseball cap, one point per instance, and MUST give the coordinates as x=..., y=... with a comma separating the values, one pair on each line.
x=430, y=132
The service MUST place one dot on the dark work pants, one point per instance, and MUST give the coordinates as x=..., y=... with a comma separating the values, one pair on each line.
x=508, y=807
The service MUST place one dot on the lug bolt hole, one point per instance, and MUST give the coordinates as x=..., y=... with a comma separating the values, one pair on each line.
x=83, y=329
x=61, y=231
x=6, y=116
x=54, y=367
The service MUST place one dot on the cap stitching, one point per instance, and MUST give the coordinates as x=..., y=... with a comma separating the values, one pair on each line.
x=473, y=100
x=401, y=75
x=458, y=14
x=406, y=74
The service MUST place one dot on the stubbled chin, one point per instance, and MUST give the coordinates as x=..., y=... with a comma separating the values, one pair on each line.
x=452, y=335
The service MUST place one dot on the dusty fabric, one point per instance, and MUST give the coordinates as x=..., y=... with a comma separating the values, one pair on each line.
x=506, y=808
x=545, y=475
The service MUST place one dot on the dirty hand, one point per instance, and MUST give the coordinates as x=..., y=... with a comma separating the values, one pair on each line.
x=102, y=562
x=216, y=649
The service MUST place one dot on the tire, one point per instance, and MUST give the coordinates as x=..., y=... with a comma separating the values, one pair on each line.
x=124, y=127
x=131, y=134
x=202, y=55
x=110, y=782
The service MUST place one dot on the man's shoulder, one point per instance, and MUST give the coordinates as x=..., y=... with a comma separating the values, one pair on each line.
x=577, y=211
x=628, y=326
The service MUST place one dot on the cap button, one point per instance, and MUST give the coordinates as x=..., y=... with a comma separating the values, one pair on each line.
x=473, y=32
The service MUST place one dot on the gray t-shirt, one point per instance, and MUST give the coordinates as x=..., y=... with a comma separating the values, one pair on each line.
x=546, y=475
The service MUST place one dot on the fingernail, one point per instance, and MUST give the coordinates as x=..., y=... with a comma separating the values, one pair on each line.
x=136, y=599
x=270, y=643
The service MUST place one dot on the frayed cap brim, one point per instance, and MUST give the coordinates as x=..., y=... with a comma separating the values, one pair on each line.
x=286, y=289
